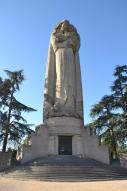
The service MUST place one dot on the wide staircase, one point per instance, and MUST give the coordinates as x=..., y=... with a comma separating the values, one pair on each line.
x=65, y=168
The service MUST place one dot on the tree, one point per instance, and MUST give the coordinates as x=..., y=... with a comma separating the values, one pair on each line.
x=119, y=88
x=13, y=125
x=110, y=114
x=105, y=122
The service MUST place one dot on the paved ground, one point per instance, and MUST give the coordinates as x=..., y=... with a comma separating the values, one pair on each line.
x=15, y=185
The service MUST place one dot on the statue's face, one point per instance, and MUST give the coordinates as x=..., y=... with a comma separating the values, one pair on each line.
x=65, y=26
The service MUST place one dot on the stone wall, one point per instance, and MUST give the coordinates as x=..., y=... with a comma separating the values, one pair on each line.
x=37, y=147
x=5, y=160
x=123, y=160
x=93, y=149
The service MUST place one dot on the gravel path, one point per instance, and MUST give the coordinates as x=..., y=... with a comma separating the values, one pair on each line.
x=14, y=185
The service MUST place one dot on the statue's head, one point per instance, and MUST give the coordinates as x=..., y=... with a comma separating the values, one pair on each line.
x=65, y=26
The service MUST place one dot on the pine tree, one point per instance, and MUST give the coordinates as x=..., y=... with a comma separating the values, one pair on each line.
x=13, y=125
x=110, y=114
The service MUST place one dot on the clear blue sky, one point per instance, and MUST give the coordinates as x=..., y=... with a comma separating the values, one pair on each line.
x=25, y=28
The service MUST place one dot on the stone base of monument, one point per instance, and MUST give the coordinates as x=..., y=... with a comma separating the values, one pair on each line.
x=63, y=136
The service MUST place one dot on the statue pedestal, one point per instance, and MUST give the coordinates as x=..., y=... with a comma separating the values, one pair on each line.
x=65, y=135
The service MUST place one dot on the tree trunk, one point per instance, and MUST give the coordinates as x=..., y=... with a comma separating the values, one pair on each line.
x=114, y=145
x=5, y=142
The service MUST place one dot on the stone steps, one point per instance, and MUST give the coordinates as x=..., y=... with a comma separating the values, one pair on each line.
x=64, y=160
x=65, y=169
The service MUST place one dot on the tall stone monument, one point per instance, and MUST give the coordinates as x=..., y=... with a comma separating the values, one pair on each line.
x=63, y=131
x=63, y=89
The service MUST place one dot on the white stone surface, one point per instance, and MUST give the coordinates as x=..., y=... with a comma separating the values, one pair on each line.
x=93, y=149
x=46, y=142
x=63, y=89
x=38, y=147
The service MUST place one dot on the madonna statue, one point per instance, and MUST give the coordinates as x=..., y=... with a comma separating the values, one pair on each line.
x=63, y=89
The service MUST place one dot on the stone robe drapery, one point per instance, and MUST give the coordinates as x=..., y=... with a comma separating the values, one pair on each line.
x=63, y=89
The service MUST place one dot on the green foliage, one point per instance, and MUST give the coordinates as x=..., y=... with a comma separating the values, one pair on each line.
x=110, y=114
x=12, y=124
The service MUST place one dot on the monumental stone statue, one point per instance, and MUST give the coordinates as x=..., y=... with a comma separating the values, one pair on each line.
x=62, y=131
x=63, y=90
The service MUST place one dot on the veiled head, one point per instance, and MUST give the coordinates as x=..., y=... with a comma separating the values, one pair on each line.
x=65, y=26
